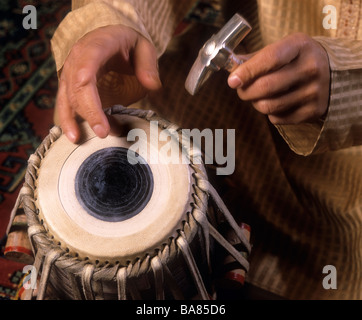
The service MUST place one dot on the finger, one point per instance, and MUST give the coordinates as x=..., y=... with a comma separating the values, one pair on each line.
x=145, y=65
x=284, y=102
x=273, y=83
x=66, y=115
x=82, y=89
x=270, y=58
x=303, y=114
x=87, y=59
x=300, y=71
x=85, y=101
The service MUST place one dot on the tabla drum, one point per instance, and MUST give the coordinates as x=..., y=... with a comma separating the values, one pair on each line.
x=119, y=218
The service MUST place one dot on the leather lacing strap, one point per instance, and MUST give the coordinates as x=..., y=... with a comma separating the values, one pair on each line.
x=87, y=275
x=122, y=283
x=32, y=232
x=229, y=218
x=235, y=253
x=185, y=249
x=157, y=269
x=50, y=258
x=134, y=273
x=28, y=295
x=169, y=250
x=200, y=216
x=14, y=211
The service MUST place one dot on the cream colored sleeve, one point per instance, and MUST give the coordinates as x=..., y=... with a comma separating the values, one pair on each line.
x=342, y=127
x=155, y=20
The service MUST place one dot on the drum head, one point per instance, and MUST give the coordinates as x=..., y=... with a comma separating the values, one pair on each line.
x=104, y=203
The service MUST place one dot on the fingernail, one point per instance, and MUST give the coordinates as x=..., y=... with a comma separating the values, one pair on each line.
x=71, y=136
x=100, y=131
x=234, y=81
x=154, y=76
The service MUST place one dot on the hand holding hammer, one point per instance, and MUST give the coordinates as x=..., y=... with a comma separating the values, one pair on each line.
x=287, y=80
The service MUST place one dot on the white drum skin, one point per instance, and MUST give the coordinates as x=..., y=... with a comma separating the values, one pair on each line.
x=103, y=241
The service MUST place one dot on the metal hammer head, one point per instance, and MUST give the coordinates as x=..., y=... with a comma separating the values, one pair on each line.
x=217, y=53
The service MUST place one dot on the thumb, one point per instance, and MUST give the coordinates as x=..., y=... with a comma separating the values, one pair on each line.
x=145, y=65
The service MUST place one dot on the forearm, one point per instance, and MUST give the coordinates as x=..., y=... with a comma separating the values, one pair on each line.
x=342, y=126
x=155, y=20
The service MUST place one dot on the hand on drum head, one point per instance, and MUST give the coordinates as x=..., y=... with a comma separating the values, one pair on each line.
x=288, y=80
x=116, y=49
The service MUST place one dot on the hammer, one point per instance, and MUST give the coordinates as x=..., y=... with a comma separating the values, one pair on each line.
x=217, y=53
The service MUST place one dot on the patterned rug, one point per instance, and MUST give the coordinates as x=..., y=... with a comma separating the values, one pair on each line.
x=28, y=85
